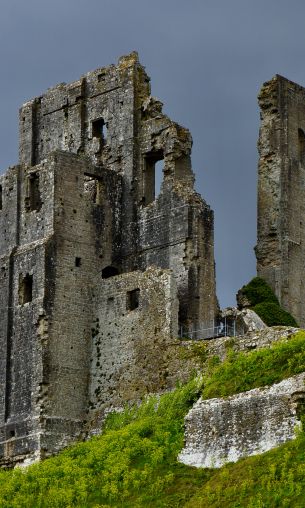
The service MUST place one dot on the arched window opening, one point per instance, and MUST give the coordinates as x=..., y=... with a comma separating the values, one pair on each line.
x=109, y=271
x=301, y=137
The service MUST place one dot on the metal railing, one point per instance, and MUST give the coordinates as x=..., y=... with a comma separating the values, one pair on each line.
x=204, y=331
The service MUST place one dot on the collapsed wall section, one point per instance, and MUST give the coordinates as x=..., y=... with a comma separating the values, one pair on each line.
x=280, y=249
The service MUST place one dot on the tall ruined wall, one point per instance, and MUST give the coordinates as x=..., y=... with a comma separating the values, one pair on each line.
x=280, y=247
x=23, y=290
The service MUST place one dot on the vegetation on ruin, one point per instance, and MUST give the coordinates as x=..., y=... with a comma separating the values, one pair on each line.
x=133, y=463
x=264, y=302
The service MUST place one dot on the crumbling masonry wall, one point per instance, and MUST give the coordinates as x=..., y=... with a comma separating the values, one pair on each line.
x=96, y=270
x=219, y=431
x=280, y=247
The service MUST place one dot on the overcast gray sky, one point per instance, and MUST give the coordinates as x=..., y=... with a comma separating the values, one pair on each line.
x=207, y=60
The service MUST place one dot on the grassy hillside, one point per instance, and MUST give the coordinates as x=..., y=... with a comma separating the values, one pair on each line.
x=133, y=464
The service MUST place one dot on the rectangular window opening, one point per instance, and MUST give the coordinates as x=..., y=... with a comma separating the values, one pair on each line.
x=78, y=262
x=153, y=176
x=33, y=198
x=159, y=167
x=25, y=288
x=133, y=297
x=301, y=136
x=99, y=130
x=93, y=188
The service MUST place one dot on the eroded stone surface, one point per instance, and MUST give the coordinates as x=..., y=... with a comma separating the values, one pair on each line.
x=218, y=431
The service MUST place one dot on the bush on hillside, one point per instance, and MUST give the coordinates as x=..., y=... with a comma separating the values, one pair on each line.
x=258, y=291
x=266, y=305
x=272, y=314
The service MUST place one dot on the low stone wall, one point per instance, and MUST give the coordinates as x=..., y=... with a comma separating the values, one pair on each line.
x=252, y=340
x=224, y=430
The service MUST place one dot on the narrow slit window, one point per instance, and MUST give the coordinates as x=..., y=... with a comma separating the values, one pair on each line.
x=0, y=197
x=25, y=289
x=153, y=176
x=33, y=198
x=301, y=136
x=159, y=166
x=78, y=262
x=133, y=298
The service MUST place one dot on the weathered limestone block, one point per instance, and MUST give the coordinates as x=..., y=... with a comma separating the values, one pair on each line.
x=224, y=430
x=245, y=320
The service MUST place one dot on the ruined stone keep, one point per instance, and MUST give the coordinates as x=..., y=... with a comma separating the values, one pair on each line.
x=280, y=248
x=96, y=270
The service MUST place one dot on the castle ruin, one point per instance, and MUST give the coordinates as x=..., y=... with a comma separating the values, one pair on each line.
x=96, y=270
x=280, y=248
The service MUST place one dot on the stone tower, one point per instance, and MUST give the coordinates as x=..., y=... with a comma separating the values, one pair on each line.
x=96, y=270
x=280, y=248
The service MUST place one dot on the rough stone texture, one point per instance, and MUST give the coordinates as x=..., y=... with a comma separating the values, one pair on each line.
x=280, y=247
x=142, y=336
x=253, y=422
x=80, y=225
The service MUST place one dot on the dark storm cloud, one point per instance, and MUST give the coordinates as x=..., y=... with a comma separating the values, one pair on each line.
x=207, y=60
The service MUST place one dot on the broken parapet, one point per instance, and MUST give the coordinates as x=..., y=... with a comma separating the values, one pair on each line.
x=224, y=430
x=280, y=249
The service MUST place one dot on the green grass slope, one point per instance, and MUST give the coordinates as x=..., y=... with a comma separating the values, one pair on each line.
x=133, y=463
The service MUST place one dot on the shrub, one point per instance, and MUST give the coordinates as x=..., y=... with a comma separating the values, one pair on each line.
x=272, y=314
x=257, y=291
x=266, y=305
